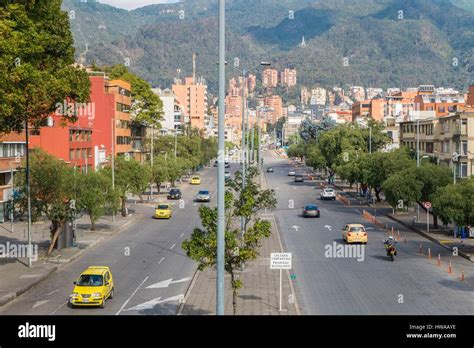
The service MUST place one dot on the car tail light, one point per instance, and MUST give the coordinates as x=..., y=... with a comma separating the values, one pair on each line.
x=365, y=234
x=349, y=234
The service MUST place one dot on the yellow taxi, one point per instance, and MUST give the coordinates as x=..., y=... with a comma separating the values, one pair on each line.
x=163, y=211
x=195, y=180
x=93, y=287
x=354, y=233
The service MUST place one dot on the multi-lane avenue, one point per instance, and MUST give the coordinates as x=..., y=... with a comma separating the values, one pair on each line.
x=351, y=285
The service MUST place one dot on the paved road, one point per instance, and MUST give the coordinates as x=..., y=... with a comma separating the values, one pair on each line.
x=375, y=285
x=155, y=257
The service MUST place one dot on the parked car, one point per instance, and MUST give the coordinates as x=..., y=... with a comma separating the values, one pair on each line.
x=328, y=193
x=299, y=178
x=227, y=174
x=291, y=173
x=311, y=210
x=203, y=196
x=270, y=170
x=175, y=193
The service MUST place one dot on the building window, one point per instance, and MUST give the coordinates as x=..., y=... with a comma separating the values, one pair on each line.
x=122, y=107
x=71, y=154
x=463, y=170
x=121, y=140
x=12, y=150
x=441, y=109
x=464, y=148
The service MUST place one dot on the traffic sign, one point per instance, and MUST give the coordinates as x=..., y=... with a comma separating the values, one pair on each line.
x=280, y=261
x=427, y=205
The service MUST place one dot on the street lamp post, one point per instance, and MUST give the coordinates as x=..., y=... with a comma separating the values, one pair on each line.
x=220, y=170
x=152, y=150
x=418, y=161
x=28, y=194
x=112, y=162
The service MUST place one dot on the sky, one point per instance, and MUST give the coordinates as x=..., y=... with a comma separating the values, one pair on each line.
x=133, y=4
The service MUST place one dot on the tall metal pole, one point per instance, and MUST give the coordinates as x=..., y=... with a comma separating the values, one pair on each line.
x=152, y=150
x=112, y=160
x=175, y=142
x=11, y=200
x=418, y=161
x=28, y=194
x=221, y=169
x=252, y=147
x=244, y=150
x=370, y=139
x=259, y=144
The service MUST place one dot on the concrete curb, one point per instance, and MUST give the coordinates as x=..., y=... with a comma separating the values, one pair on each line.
x=12, y=295
x=427, y=236
x=188, y=291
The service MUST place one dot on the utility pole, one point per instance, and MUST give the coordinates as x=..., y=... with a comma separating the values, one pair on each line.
x=418, y=160
x=220, y=170
x=112, y=162
x=152, y=150
x=370, y=139
x=259, y=143
x=244, y=152
x=252, y=151
x=175, y=143
x=28, y=194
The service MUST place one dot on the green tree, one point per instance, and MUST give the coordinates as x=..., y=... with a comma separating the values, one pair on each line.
x=37, y=69
x=296, y=151
x=147, y=107
x=160, y=172
x=93, y=191
x=402, y=189
x=130, y=177
x=453, y=203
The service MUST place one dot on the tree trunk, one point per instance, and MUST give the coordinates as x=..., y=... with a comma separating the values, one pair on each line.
x=92, y=222
x=141, y=198
x=56, y=231
x=234, y=293
x=158, y=186
x=124, y=210
x=435, y=221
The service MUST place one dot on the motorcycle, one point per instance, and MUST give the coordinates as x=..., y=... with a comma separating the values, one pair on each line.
x=391, y=251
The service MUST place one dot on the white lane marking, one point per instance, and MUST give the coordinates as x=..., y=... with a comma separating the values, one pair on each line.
x=295, y=227
x=156, y=301
x=166, y=283
x=181, y=235
x=133, y=294
x=57, y=309
x=40, y=303
x=52, y=292
x=328, y=227
x=161, y=260
x=172, y=246
x=28, y=276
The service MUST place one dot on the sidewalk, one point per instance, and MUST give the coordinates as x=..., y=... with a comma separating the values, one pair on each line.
x=15, y=274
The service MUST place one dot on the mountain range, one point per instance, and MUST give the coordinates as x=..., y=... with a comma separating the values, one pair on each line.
x=383, y=43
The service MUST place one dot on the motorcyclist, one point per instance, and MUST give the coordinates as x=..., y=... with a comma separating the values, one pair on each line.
x=390, y=243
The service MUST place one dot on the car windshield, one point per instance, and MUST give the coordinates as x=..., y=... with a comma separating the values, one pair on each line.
x=174, y=191
x=329, y=190
x=311, y=207
x=90, y=280
x=163, y=206
x=357, y=229
x=196, y=178
x=203, y=192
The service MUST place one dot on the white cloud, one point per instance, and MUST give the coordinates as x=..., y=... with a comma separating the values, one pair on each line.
x=133, y=4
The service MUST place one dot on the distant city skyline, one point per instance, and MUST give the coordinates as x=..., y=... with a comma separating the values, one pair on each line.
x=133, y=4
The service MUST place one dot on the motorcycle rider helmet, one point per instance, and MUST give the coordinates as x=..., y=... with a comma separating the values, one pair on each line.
x=390, y=238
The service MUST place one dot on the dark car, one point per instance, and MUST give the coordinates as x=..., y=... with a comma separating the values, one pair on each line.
x=270, y=170
x=174, y=193
x=311, y=210
x=299, y=178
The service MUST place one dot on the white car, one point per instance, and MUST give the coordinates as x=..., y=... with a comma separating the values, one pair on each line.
x=227, y=175
x=328, y=193
x=291, y=173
